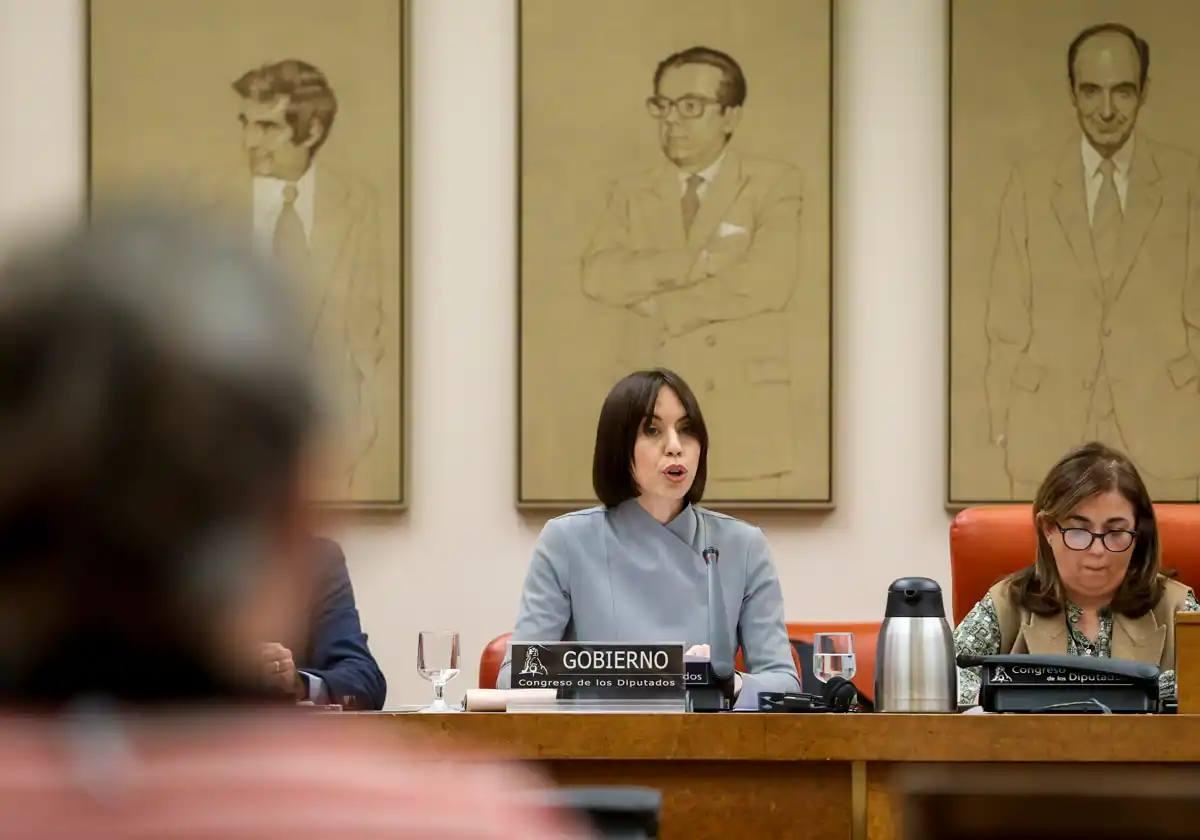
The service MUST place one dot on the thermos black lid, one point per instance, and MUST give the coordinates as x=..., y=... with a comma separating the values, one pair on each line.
x=915, y=597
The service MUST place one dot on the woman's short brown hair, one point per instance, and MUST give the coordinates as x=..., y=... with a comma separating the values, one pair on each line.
x=627, y=408
x=1081, y=473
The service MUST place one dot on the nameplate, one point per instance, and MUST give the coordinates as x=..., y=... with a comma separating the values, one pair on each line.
x=617, y=666
x=1050, y=675
x=698, y=672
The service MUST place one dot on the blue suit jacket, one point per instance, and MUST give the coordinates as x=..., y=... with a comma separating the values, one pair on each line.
x=336, y=650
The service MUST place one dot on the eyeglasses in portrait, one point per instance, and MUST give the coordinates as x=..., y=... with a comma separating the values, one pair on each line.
x=674, y=211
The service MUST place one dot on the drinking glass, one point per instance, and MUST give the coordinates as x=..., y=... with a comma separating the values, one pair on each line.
x=437, y=661
x=833, y=656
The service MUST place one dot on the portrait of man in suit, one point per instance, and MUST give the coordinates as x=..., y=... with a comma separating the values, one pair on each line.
x=702, y=253
x=323, y=225
x=283, y=122
x=1093, y=299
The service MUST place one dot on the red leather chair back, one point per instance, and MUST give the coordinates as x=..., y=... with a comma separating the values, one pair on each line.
x=739, y=659
x=491, y=659
x=987, y=543
x=866, y=635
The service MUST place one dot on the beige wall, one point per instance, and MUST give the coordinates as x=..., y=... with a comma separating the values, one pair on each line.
x=457, y=557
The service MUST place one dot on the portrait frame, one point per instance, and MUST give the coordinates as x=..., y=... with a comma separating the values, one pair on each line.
x=526, y=498
x=390, y=490
x=1004, y=429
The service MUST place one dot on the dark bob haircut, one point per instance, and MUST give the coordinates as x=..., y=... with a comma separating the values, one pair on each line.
x=627, y=408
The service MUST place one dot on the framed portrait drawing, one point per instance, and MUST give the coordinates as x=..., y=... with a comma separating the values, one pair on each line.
x=283, y=120
x=674, y=212
x=1075, y=242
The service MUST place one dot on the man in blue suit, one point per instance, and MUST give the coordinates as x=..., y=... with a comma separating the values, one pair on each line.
x=334, y=664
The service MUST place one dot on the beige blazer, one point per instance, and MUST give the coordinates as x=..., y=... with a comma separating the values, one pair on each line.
x=726, y=333
x=1149, y=638
x=1051, y=318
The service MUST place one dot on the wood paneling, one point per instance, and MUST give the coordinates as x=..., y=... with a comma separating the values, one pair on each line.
x=1187, y=662
x=802, y=737
x=764, y=775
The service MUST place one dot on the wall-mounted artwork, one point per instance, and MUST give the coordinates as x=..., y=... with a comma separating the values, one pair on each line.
x=674, y=211
x=284, y=120
x=1075, y=242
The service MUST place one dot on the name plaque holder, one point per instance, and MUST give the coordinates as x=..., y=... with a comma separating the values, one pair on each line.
x=706, y=692
x=585, y=672
x=1030, y=683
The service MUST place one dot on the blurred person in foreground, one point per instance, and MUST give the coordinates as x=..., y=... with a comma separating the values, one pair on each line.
x=157, y=413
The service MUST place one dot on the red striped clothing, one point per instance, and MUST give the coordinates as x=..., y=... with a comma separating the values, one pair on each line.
x=246, y=775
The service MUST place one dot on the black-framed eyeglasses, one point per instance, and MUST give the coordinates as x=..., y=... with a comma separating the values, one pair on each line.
x=1081, y=539
x=689, y=107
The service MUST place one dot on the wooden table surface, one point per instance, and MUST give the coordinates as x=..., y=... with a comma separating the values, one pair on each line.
x=815, y=737
x=790, y=775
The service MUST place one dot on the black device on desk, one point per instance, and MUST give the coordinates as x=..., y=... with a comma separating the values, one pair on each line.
x=1022, y=682
x=837, y=695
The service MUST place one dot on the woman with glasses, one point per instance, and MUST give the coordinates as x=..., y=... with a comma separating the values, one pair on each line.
x=1095, y=588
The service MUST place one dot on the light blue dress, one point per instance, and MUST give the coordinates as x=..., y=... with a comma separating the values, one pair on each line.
x=619, y=575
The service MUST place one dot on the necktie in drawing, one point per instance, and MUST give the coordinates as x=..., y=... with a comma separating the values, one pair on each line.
x=290, y=244
x=1106, y=221
x=690, y=203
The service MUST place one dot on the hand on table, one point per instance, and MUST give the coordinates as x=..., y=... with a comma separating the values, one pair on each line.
x=279, y=671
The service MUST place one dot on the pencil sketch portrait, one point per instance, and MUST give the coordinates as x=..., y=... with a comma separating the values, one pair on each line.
x=1093, y=282
x=703, y=251
x=285, y=156
x=693, y=258
x=323, y=224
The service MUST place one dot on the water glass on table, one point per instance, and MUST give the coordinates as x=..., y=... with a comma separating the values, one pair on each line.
x=437, y=661
x=833, y=656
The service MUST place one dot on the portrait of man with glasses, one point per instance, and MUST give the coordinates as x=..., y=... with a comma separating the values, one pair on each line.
x=703, y=253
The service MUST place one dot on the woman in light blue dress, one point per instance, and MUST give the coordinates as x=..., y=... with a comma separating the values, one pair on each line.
x=631, y=569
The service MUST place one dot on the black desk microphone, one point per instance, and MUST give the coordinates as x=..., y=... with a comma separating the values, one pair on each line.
x=716, y=694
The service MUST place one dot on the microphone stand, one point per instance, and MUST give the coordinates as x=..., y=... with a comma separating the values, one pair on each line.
x=716, y=693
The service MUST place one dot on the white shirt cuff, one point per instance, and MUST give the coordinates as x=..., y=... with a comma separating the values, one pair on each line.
x=318, y=692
